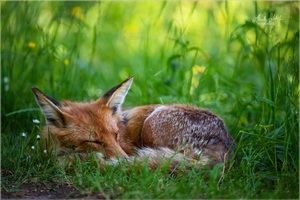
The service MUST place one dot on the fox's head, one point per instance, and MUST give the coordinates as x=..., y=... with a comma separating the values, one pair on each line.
x=82, y=126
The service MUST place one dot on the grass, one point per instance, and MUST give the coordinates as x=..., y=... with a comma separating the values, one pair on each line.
x=210, y=54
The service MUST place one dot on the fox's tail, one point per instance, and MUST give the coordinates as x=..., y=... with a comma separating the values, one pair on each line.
x=154, y=157
x=174, y=161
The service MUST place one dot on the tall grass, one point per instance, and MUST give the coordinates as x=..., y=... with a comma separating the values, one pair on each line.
x=210, y=54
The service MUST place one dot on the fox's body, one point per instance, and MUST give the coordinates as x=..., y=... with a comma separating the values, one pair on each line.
x=186, y=129
x=153, y=131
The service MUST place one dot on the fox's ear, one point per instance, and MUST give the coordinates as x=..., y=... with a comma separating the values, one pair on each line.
x=115, y=96
x=50, y=108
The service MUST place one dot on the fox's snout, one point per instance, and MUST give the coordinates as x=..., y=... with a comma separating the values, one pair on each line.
x=116, y=151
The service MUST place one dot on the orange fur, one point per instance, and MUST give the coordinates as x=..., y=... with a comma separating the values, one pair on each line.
x=154, y=131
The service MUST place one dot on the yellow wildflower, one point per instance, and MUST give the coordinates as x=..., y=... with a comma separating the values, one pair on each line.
x=31, y=45
x=66, y=62
x=76, y=11
x=131, y=28
x=196, y=70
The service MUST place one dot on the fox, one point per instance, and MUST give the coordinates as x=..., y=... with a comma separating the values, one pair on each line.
x=158, y=133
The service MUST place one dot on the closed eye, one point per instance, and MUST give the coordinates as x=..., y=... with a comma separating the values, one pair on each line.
x=95, y=142
x=98, y=142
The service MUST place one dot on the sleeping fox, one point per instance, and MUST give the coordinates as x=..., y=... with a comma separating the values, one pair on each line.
x=159, y=132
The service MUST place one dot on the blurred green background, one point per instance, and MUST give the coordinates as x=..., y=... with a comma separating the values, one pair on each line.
x=237, y=58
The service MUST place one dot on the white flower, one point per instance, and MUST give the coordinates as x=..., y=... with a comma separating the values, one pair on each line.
x=32, y=147
x=23, y=134
x=45, y=151
x=6, y=88
x=36, y=121
x=38, y=137
x=5, y=79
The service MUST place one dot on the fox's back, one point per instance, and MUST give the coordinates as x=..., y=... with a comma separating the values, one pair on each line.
x=185, y=128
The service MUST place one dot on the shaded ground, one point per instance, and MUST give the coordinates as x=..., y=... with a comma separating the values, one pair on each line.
x=46, y=191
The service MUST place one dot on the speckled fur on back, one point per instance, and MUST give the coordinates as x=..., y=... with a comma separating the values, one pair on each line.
x=189, y=130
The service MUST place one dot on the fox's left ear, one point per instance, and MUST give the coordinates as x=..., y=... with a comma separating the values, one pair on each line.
x=50, y=108
x=115, y=96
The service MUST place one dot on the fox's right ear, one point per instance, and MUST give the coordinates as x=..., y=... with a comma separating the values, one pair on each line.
x=115, y=96
x=50, y=108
